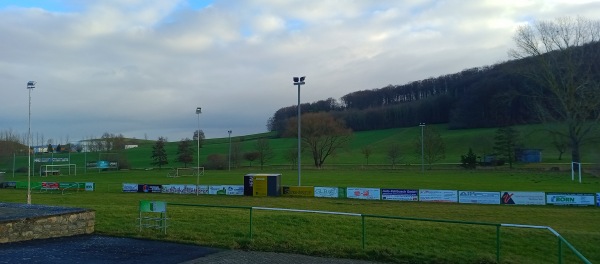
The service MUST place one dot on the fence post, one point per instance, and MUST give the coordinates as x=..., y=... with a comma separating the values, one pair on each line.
x=363, y=231
x=498, y=244
x=250, y=222
x=559, y=251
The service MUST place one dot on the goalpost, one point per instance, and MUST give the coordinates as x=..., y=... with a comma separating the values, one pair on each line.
x=183, y=172
x=574, y=166
x=55, y=169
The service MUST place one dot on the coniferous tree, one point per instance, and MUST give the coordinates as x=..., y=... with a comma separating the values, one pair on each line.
x=185, y=152
x=506, y=142
x=159, y=154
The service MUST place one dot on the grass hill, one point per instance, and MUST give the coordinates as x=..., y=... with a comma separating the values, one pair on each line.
x=457, y=143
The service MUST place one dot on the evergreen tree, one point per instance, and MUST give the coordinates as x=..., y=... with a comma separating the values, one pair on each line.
x=185, y=152
x=469, y=161
x=159, y=154
x=506, y=142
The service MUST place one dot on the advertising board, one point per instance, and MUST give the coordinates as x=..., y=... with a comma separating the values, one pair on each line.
x=400, y=194
x=597, y=199
x=179, y=188
x=130, y=187
x=523, y=198
x=226, y=189
x=50, y=185
x=471, y=197
x=578, y=199
x=304, y=191
x=363, y=193
x=440, y=196
x=149, y=188
x=330, y=192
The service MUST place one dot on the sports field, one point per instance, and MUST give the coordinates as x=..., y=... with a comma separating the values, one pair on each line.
x=390, y=240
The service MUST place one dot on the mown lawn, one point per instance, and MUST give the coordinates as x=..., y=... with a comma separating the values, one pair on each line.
x=401, y=241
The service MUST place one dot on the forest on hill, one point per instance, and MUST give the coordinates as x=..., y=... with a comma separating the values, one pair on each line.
x=481, y=97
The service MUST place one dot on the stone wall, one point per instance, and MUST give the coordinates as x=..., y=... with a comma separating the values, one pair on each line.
x=47, y=226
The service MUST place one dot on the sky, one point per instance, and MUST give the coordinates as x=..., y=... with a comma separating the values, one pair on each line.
x=140, y=68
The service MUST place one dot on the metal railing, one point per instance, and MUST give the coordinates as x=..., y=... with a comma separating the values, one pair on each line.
x=561, y=240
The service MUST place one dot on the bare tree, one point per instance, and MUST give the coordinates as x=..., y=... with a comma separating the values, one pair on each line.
x=367, y=151
x=565, y=52
x=393, y=154
x=265, y=151
x=434, y=148
x=322, y=134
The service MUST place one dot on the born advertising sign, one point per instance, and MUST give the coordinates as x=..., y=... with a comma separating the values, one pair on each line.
x=579, y=199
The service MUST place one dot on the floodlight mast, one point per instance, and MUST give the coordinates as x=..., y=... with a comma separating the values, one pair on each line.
x=229, y=131
x=422, y=125
x=30, y=86
x=198, y=112
x=299, y=81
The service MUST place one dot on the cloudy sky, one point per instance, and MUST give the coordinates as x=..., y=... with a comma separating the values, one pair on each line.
x=141, y=67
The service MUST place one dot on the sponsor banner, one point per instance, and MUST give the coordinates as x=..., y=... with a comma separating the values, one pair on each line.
x=524, y=198
x=260, y=185
x=130, y=187
x=581, y=199
x=399, y=194
x=443, y=196
x=471, y=197
x=149, y=188
x=102, y=164
x=90, y=186
x=50, y=185
x=304, y=191
x=46, y=160
x=328, y=192
x=363, y=193
x=11, y=185
x=203, y=189
x=597, y=199
x=179, y=188
x=226, y=189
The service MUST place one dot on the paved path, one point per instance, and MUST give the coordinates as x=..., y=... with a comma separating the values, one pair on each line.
x=96, y=249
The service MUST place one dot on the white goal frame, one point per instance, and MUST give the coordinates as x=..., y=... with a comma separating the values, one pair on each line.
x=50, y=168
x=189, y=172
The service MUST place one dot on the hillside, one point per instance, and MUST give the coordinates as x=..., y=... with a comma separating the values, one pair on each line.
x=457, y=143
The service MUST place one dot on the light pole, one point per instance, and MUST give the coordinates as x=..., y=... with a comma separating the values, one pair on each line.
x=30, y=86
x=198, y=112
x=422, y=125
x=299, y=81
x=229, y=131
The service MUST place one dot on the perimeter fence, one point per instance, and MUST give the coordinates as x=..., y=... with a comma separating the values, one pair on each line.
x=370, y=220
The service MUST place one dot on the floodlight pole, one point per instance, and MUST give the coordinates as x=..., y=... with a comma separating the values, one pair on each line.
x=30, y=86
x=229, y=131
x=422, y=125
x=198, y=112
x=299, y=81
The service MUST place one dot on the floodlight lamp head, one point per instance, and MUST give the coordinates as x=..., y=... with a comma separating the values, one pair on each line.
x=302, y=78
x=295, y=79
x=31, y=84
x=198, y=110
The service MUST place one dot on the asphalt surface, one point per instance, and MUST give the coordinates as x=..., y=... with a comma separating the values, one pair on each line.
x=95, y=249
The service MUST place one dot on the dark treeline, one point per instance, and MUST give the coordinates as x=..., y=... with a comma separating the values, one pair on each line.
x=490, y=96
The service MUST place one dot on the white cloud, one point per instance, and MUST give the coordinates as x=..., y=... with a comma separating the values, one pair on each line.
x=142, y=67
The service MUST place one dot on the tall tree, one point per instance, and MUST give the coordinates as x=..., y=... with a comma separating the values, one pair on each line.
x=159, y=153
x=393, y=154
x=322, y=134
x=251, y=156
x=367, y=151
x=195, y=137
x=506, y=142
x=566, y=52
x=291, y=155
x=432, y=145
x=236, y=153
x=264, y=150
x=185, y=152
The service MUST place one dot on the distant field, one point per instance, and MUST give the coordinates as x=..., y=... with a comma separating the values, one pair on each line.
x=339, y=236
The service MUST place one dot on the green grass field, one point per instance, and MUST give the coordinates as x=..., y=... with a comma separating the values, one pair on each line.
x=399, y=241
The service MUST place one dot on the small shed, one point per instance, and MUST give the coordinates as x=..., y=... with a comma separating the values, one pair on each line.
x=529, y=155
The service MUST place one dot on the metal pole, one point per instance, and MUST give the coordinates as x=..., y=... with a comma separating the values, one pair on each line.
x=299, y=124
x=30, y=85
x=198, y=111
x=229, y=131
x=422, y=125
x=14, y=162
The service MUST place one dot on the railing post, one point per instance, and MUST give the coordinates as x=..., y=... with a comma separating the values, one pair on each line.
x=363, y=231
x=250, y=222
x=559, y=251
x=498, y=244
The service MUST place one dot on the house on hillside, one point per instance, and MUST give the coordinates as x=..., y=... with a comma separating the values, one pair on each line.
x=529, y=155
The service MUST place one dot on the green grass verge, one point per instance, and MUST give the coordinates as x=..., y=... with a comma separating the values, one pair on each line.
x=400, y=241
